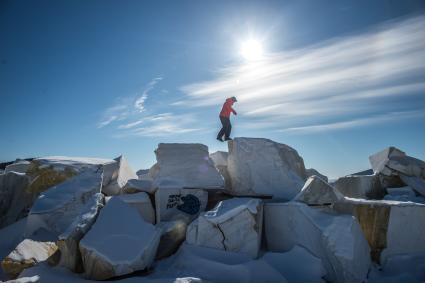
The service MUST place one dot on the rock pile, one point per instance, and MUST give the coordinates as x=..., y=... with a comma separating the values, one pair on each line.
x=254, y=214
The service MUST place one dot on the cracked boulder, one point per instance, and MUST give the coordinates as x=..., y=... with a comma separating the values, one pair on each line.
x=317, y=192
x=337, y=240
x=27, y=254
x=233, y=225
x=57, y=208
x=69, y=240
x=262, y=167
x=184, y=166
x=107, y=253
x=185, y=204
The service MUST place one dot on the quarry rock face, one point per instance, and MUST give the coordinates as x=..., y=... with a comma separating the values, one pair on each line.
x=317, y=192
x=142, y=203
x=15, y=198
x=27, y=254
x=185, y=166
x=57, y=208
x=107, y=254
x=185, y=204
x=233, y=225
x=384, y=224
x=69, y=240
x=336, y=239
x=263, y=167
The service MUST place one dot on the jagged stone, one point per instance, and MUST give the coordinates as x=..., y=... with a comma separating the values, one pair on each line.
x=142, y=203
x=318, y=192
x=107, y=254
x=384, y=224
x=173, y=234
x=69, y=240
x=173, y=204
x=15, y=198
x=360, y=186
x=27, y=254
x=336, y=239
x=20, y=166
x=57, y=208
x=264, y=167
x=184, y=166
x=122, y=172
x=313, y=172
x=233, y=225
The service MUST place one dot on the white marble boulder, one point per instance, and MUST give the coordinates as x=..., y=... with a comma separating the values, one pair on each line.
x=15, y=198
x=138, y=185
x=120, y=172
x=142, y=203
x=263, y=167
x=57, y=208
x=220, y=161
x=336, y=239
x=416, y=183
x=68, y=241
x=184, y=166
x=120, y=242
x=233, y=225
x=360, y=186
x=313, y=172
x=318, y=192
x=27, y=254
x=184, y=204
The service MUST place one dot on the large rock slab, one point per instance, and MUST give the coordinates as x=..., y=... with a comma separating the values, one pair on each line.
x=185, y=204
x=392, y=161
x=107, y=253
x=318, y=192
x=336, y=239
x=69, y=240
x=138, y=185
x=233, y=225
x=142, y=202
x=384, y=225
x=57, y=208
x=264, y=167
x=120, y=173
x=15, y=198
x=360, y=186
x=185, y=166
x=418, y=184
x=27, y=254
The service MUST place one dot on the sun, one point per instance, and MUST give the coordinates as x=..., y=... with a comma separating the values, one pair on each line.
x=251, y=49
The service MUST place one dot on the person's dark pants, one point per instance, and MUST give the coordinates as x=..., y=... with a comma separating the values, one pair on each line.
x=226, y=129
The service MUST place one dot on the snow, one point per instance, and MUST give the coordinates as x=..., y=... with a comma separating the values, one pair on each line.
x=56, y=209
x=121, y=239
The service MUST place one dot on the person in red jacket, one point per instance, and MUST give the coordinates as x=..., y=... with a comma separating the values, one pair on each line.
x=225, y=119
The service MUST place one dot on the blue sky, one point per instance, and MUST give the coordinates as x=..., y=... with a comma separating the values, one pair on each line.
x=338, y=81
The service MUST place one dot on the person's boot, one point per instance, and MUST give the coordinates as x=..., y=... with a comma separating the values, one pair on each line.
x=219, y=139
x=227, y=139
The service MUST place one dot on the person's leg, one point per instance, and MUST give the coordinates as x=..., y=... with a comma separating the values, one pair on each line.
x=223, y=128
x=228, y=129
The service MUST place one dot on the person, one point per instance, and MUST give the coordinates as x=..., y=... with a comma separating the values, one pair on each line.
x=225, y=119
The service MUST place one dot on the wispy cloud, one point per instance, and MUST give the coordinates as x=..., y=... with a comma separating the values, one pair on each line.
x=139, y=104
x=355, y=77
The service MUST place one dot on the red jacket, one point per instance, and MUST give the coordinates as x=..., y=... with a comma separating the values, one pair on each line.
x=227, y=108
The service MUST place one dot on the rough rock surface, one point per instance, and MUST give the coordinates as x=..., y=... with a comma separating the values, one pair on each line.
x=313, y=172
x=121, y=173
x=418, y=184
x=173, y=233
x=21, y=166
x=336, y=239
x=263, y=167
x=57, y=208
x=233, y=225
x=69, y=240
x=185, y=166
x=184, y=204
x=15, y=198
x=138, y=185
x=360, y=186
x=220, y=161
x=28, y=253
x=384, y=225
x=318, y=192
x=107, y=253
x=142, y=203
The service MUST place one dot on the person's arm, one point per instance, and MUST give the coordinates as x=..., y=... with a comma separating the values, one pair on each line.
x=233, y=110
